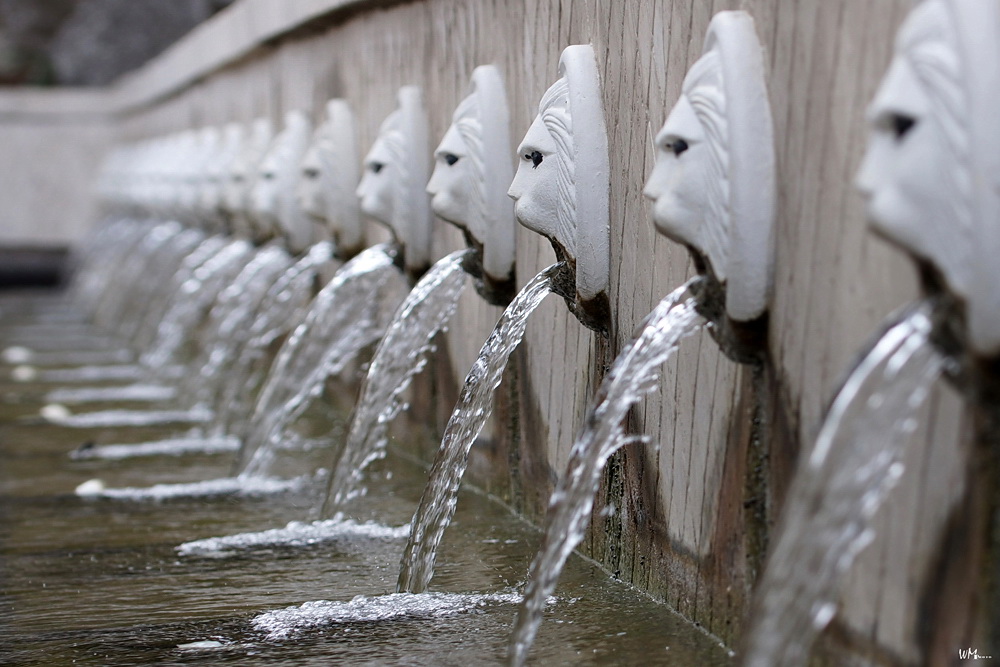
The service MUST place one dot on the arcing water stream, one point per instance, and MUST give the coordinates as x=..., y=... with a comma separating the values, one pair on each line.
x=633, y=374
x=437, y=505
x=855, y=462
x=346, y=316
x=400, y=356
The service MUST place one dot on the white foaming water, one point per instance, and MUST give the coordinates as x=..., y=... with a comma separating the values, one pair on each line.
x=54, y=412
x=90, y=488
x=287, y=622
x=827, y=521
x=110, y=418
x=401, y=354
x=634, y=373
x=79, y=357
x=224, y=486
x=134, y=392
x=205, y=644
x=295, y=534
x=168, y=447
x=59, y=340
x=24, y=373
x=99, y=373
x=475, y=405
x=345, y=317
x=17, y=354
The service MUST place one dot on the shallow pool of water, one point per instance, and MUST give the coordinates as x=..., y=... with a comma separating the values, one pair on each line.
x=97, y=581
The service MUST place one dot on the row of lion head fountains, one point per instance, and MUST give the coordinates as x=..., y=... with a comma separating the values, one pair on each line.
x=931, y=178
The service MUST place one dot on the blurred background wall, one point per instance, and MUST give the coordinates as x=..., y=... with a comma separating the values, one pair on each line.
x=52, y=135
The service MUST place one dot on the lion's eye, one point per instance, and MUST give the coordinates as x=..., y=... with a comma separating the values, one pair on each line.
x=901, y=124
x=535, y=157
x=450, y=159
x=677, y=146
x=376, y=167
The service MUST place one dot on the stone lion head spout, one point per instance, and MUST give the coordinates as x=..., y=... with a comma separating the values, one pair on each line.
x=193, y=174
x=212, y=193
x=240, y=177
x=931, y=174
x=329, y=178
x=274, y=192
x=562, y=182
x=395, y=175
x=468, y=187
x=713, y=186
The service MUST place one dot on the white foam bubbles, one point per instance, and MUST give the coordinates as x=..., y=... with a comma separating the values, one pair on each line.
x=55, y=412
x=90, y=488
x=24, y=373
x=110, y=418
x=223, y=486
x=17, y=354
x=284, y=623
x=295, y=534
x=167, y=447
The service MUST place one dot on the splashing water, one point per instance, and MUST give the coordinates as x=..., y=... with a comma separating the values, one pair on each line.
x=475, y=405
x=284, y=306
x=246, y=321
x=634, y=373
x=290, y=621
x=224, y=486
x=856, y=461
x=147, y=296
x=145, y=334
x=228, y=320
x=168, y=447
x=100, y=258
x=295, y=534
x=131, y=392
x=195, y=297
x=345, y=317
x=227, y=317
x=401, y=354
x=78, y=357
x=113, y=418
x=102, y=373
x=137, y=289
x=126, y=279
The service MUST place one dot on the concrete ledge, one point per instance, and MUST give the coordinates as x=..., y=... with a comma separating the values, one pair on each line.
x=230, y=35
x=43, y=104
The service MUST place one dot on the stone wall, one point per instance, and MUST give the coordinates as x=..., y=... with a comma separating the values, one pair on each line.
x=51, y=145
